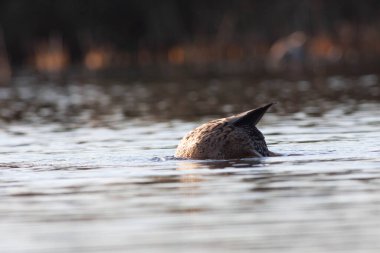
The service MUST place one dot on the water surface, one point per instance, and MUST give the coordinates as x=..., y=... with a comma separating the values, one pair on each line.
x=107, y=181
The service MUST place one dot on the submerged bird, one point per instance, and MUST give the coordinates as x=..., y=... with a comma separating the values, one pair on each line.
x=227, y=138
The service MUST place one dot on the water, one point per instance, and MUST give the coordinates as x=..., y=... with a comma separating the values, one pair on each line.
x=72, y=180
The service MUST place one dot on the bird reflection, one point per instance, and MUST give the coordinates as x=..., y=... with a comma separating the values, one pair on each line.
x=219, y=164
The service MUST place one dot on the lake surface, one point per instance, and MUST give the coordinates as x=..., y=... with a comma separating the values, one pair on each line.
x=90, y=168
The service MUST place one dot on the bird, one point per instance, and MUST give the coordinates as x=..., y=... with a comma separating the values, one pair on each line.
x=233, y=137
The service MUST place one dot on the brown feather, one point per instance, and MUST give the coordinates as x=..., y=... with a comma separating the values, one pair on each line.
x=224, y=139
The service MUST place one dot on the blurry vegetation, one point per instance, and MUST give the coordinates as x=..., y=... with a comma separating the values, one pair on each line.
x=173, y=37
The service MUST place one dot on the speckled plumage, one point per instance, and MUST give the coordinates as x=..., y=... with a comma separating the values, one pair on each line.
x=226, y=138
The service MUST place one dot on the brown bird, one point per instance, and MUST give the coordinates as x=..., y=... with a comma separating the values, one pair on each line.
x=227, y=138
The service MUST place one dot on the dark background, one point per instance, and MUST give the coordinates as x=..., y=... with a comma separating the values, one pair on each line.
x=185, y=58
x=243, y=31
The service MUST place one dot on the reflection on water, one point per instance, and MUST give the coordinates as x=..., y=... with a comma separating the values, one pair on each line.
x=106, y=181
x=86, y=103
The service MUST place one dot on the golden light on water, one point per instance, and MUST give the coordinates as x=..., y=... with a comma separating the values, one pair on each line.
x=51, y=56
x=176, y=55
x=96, y=59
x=234, y=52
x=5, y=66
x=5, y=70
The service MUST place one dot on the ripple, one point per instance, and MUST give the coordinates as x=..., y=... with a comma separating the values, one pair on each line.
x=113, y=183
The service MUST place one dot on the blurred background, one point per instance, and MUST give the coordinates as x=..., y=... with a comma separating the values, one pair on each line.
x=95, y=96
x=160, y=57
x=185, y=38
